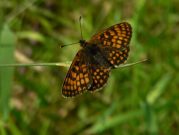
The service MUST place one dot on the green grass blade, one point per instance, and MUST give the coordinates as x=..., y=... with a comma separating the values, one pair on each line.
x=158, y=89
x=150, y=116
x=7, y=42
x=103, y=125
x=2, y=129
x=14, y=129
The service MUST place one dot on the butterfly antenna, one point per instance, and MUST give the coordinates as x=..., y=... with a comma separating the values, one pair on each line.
x=61, y=46
x=81, y=28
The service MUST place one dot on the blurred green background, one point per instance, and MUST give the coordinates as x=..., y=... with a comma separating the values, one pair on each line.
x=141, y=99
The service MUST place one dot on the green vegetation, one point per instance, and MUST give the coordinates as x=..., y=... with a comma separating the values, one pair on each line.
x=141, y=99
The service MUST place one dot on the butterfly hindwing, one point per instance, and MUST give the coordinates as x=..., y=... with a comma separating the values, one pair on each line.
x=115, y=56
x=100, y=76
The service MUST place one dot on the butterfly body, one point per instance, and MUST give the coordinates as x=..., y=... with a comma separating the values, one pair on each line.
x=95, y=55
x=90, y=68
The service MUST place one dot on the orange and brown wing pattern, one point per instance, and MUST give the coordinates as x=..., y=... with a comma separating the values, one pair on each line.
x=78, y=78
x=92, y=64
x=100, y=76
x=115, y=56
x=117, y=36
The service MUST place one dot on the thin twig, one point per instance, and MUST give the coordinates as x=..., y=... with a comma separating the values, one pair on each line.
x=35, y=64
x=131, y=64
x=61, y=64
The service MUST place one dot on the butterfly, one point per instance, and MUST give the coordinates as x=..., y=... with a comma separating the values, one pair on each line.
x=90, y=68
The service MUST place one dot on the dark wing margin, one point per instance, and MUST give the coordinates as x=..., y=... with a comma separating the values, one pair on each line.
x=78, y=78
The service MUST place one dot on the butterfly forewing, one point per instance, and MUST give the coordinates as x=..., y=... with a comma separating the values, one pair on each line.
x=114, y=42
x=78, y=78
x=116, y=36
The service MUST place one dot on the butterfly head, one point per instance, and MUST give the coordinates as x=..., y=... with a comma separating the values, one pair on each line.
x=82, y=43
